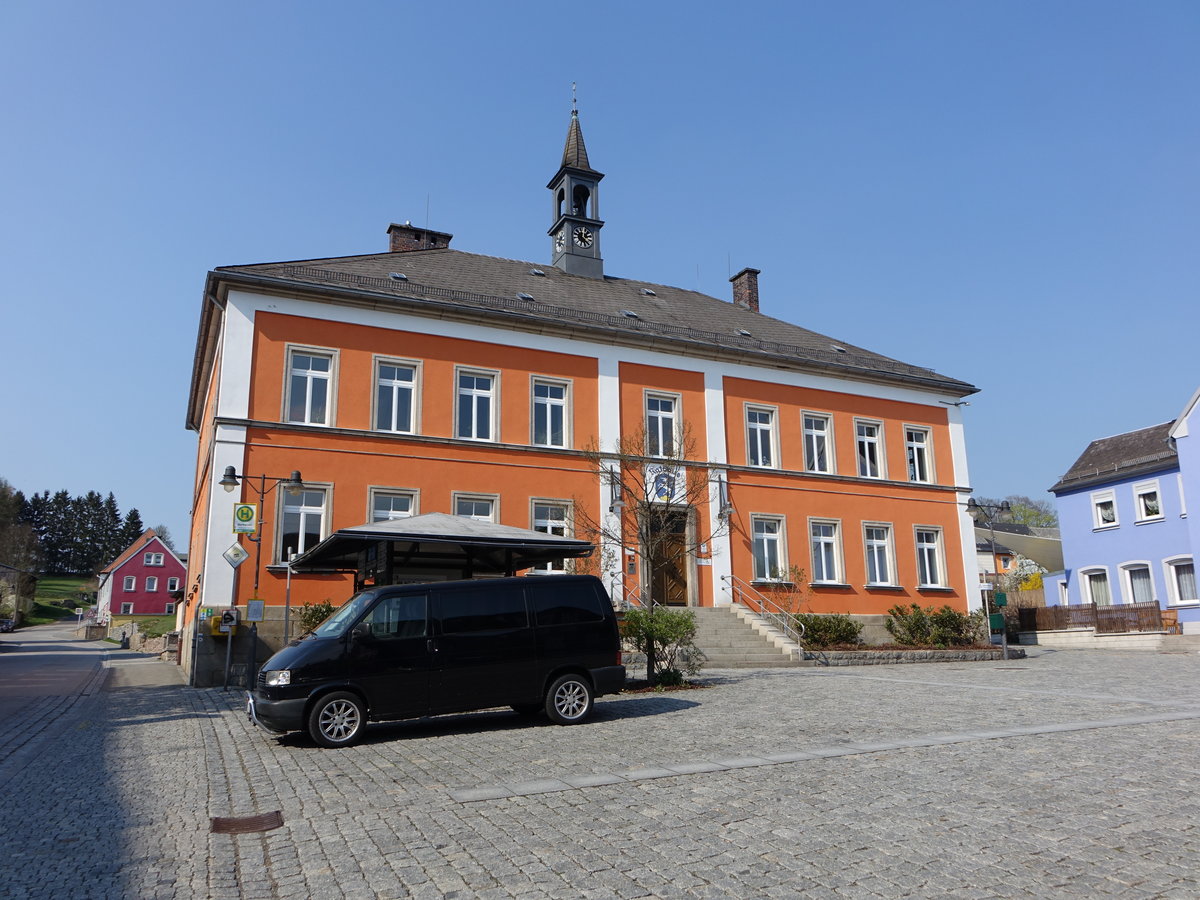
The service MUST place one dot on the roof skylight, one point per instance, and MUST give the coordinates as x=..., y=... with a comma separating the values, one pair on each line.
x=524, y=296
x=630, y=314
x=398, y=276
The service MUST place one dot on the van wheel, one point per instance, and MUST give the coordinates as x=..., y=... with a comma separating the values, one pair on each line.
x=569, y=700
x=337, y=720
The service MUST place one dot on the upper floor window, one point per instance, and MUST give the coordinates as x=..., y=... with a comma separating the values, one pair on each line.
x=916, y=445
x=877, y=540
x=551, y=517
x=929, y=557
x=395, y=397
x=303, y=521
x=769, y=558
x=662, y=424
x=818, y=452
x=760, y=436
x=310, y=375
x=870, y=450
x=389, y=505
x=826, y=551
x=1147, y=502
x=130, y=583
x=152, y=559
x=172, y=584
x=151, y=583
x=476, y=405
x=549, y=413
x=474, y=506
x=1104, y=510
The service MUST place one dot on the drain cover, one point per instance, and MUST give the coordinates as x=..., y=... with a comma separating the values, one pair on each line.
x=246, y=824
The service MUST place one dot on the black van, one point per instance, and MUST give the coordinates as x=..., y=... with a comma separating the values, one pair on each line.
x=535, y=643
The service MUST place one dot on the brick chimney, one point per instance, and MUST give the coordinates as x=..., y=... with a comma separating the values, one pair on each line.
x=745, y=288
x=402, y=238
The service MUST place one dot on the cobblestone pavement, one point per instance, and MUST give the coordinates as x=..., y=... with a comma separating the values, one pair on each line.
x=1067, y=774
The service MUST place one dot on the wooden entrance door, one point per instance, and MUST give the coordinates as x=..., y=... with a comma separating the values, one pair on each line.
x=669, y=559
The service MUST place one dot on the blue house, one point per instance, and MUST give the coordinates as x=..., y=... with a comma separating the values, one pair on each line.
x=1123, y=515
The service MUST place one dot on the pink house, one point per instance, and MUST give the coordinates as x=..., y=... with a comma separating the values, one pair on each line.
x=145, y=580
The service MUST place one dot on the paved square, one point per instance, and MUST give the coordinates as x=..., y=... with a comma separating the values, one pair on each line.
x=1068, y=774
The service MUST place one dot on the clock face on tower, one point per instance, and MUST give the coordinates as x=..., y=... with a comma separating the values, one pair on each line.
x=582, y=236
x=559, y=240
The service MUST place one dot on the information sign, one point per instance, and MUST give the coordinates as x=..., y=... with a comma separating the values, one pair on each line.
x=245, y=518
x=236, y=555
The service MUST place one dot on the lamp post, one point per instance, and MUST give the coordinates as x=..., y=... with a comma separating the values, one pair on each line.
x=293, y=484
x=989, y=511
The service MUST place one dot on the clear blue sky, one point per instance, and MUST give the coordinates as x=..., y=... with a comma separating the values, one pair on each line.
x=1005, y=192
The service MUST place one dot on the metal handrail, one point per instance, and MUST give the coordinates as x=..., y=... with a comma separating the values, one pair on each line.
x=781, y=618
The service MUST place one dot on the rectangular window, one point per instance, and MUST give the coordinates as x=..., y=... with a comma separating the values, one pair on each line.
x=151, y=583
x=1147, y=502
x=475, y=507
x=395, y=397
x=309, y=378
x=769, y=561
x=917, y=446
x=760, y=436
x=1104, y=510
x=389, y=505
x=476, y=405
x=826, y=552
x=172, y=584
x=1096, y=585
x=877, y=539
x=130, y=583
x=551, y=518
x=168, y=608
x=303, y=521
x=870, y=458
x=661, y=425
x=929, y=557
x=818, y=452
x=549, y=413
x=1183, y=577
x=152, y=559
x=484, y=608
x=127, y=609
x=1139, y=584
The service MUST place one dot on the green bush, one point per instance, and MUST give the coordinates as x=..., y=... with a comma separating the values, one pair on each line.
x=667, y=638
x=828, y=630
x=945, y=627
x=310, y=615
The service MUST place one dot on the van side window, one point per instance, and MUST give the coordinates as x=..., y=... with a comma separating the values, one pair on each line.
x=486, y=609
x=558, y=604
x=398, y=617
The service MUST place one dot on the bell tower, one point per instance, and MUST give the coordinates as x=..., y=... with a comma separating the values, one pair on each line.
x=575, y=234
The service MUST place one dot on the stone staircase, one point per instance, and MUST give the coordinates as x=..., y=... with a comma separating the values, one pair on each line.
x=734, y=638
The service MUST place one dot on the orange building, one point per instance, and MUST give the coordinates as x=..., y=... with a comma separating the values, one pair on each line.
x=428, y=379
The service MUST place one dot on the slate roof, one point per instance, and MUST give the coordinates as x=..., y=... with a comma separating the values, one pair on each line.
x=575, y=153
x=1121, y=456
x=540, y=297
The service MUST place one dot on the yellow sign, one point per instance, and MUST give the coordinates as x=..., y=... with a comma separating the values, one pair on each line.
x=245, y=518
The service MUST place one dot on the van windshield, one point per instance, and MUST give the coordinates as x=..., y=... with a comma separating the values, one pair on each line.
x=336, y=625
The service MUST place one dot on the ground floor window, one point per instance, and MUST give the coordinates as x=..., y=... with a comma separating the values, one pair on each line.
x=768, y=548
x=1095, y=587
x=551, y=518
x=127, y=609
x=1181, y=580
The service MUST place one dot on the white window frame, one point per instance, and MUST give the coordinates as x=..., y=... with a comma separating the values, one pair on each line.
x=126, y=609
x=876, y=442
x=777, y=538
x=1064, y=593
x=1126, y=570
x=810, y=462
x=550, y=403
x=877, y=549
x=151, y=584
x=921, y=450
x=1085, y=584
x=330, y=378
x=1171, y=575
x=758, y=433
x=1141, y=491
x=930, y=556
x=286, y=501
x=833, y=541
x=414, y=424
x=1098, y=498
x=168, y=608
x=675, y=418
x=493, y=396
x=375, y=492
x=465, y=496
x=130, y=583
x=546, y=526
x=152, y=559
x=172, y=584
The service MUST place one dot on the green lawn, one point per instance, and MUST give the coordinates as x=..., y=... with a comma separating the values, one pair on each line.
x=51, y=592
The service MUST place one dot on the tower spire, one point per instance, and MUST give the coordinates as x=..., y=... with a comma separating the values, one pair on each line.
x=575, y=234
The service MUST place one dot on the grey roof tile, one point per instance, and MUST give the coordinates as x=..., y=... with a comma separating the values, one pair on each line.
x=1121, y=456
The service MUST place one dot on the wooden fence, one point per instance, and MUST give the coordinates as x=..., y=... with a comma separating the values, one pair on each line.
x=1123, y=617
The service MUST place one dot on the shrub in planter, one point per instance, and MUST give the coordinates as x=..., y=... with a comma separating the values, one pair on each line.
x=829, y=630
x=945, y=627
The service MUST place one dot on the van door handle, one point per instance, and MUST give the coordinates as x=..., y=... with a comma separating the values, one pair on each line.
x=430, y=646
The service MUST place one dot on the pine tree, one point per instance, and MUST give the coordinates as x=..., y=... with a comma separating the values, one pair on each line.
x=132, y=529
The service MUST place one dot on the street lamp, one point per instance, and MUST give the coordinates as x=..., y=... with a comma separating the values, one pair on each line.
x=989, y=511
x=294, y=485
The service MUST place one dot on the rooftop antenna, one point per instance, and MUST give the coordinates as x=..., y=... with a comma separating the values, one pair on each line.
x=425, y=237
x=574, y=102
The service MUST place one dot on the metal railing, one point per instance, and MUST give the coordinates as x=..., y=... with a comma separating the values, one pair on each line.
x=783, y=619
